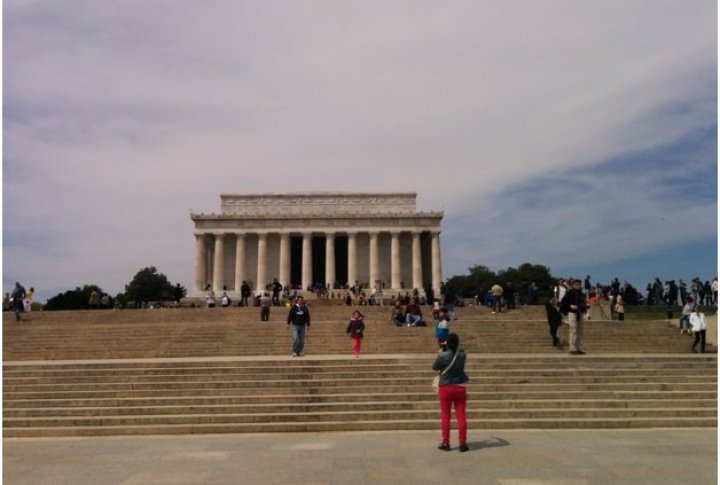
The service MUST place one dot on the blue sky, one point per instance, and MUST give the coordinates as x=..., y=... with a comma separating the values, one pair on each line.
x=641, y=215
x=579, y=135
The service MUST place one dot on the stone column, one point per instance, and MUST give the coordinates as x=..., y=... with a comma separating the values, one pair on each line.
x=416, y=262
x=218, y=276
x=239, y=261
x=395, y=274
x=284, y=276
x=262, y=262
x=352, y=258
x=374, y=259
x=306, y=260
x=199, y=269
x=436, y=263
x=330, y=260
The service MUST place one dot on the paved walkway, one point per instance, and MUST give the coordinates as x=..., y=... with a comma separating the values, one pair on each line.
x=514, y=457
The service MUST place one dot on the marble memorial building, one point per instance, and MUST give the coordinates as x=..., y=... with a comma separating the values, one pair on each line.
x=307, y=238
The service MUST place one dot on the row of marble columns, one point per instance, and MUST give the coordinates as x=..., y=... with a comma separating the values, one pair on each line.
x=284, y=260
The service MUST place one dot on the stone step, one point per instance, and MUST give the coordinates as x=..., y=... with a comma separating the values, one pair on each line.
x=359, y=425
x=354, y=406
x=284, y=388
x=352, y=415
x=503, y=399
x=485, y=376
x=229, y=332
x=331, y=362
x=170, y=382
x=200, y=366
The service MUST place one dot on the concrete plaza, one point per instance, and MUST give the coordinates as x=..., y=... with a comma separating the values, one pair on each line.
x=518, y=457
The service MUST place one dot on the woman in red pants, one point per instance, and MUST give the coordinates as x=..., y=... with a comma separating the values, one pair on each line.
x=451, y=363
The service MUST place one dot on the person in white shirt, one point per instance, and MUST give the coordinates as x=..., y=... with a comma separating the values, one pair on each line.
x=685, y=318
x=699, y=328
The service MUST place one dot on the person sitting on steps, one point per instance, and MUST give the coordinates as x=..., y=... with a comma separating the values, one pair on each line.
x=413, y=315
x=397, y=315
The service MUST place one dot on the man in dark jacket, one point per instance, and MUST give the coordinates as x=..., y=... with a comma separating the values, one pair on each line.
x=276, y=289
x=573, y=305
x=18, y=295
x=299, y=320
x=244, y=293
x=554, y=321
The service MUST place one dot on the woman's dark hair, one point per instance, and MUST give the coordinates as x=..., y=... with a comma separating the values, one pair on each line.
x=453, y=341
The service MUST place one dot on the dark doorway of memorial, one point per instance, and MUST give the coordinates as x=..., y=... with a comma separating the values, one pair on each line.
x=295, y=261
x=341, y=260
x=318, y=259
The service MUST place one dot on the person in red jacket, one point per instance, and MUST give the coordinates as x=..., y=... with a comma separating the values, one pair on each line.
x=413, y=315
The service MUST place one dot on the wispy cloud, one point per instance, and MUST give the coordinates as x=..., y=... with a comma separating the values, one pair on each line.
x=121, y=116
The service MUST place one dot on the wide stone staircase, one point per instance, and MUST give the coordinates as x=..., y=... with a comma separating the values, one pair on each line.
x=223, y=371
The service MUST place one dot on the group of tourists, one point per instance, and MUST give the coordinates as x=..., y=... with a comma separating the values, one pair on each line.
x=670, y=292
x=450, y=363
x=569, y=304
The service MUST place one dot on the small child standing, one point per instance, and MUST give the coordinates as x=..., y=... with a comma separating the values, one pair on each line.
x=436, y=311
x=355, y=330
x=442, y=330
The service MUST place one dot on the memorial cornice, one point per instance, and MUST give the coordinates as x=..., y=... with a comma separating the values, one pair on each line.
x=335, y=215
x=326, y=224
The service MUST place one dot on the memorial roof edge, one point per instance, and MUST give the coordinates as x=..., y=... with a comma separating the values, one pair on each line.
x=378, y=215
x=317, y=193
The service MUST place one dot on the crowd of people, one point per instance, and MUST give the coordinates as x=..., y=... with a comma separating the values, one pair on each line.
x=569, y=303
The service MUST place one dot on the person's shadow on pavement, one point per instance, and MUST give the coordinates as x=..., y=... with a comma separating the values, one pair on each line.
x=491, y=443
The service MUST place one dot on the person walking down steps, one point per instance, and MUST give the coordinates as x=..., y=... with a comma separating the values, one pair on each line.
x=355, y=330
x=299, y=320
x=699, y=328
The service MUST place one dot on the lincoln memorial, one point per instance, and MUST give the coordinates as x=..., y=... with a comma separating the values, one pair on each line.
x=307, y=238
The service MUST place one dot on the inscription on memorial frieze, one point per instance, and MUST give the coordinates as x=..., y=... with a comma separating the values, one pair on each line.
x=317, y=203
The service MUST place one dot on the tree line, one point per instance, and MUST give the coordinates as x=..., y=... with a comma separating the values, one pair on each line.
x=480, y=279
x=148, y=285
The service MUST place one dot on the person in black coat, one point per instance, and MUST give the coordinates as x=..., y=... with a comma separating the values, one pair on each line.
x=554, y=321
x=299, y=320
x=573, y=305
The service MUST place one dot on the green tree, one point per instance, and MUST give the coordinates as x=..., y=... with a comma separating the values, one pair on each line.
x=149, y=285
x=72, y=299
x=481, y=278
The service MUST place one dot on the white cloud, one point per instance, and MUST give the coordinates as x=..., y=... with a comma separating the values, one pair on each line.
x=120, y=116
